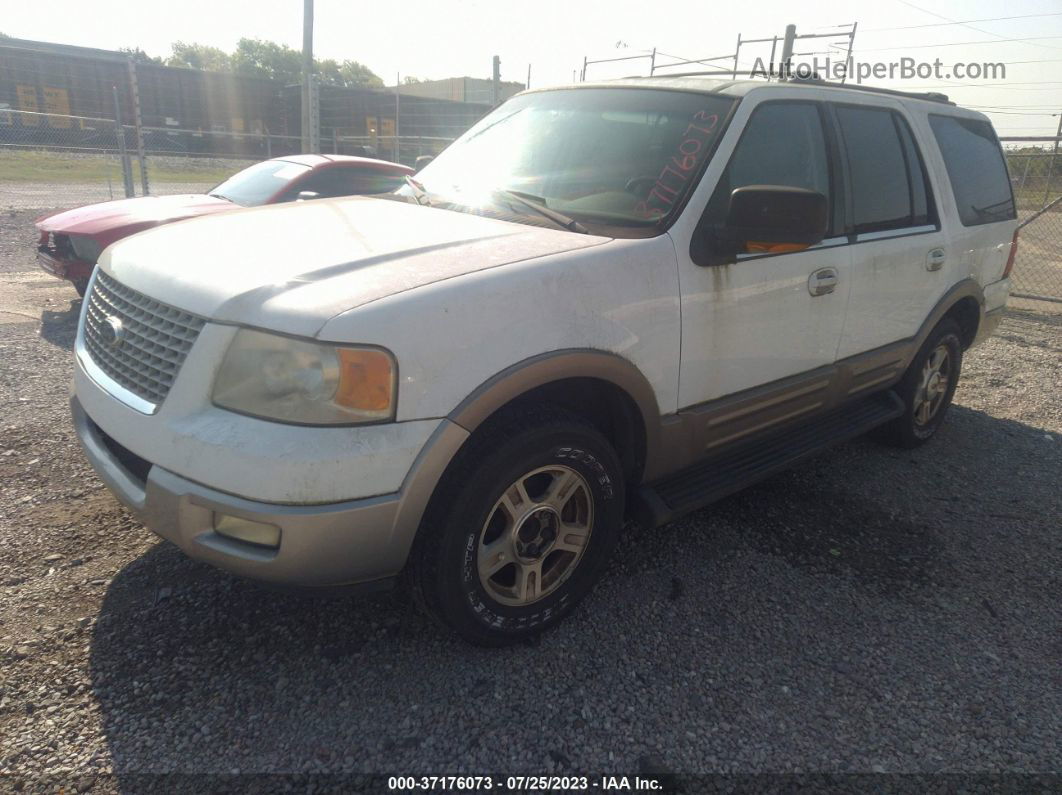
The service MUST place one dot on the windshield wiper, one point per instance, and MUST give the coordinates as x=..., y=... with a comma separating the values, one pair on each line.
x=419, y=193
x=538, y=205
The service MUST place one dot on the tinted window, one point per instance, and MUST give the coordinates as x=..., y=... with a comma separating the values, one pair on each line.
x=884, y=195
x=921, y=197
x=976, y=169
x=344, y=181
x=782, y=144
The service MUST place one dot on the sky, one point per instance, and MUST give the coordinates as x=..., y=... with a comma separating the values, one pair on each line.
x=448, y=38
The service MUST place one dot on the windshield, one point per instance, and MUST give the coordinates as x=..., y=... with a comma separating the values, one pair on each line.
x=256, y=184
x=620, y=158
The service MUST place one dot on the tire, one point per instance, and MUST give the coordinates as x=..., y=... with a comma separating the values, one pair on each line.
x=924, y=411
x=81, y=285
x=492, y=560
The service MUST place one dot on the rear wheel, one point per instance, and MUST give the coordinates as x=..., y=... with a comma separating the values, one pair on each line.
x=927, y=388
x=526, y=521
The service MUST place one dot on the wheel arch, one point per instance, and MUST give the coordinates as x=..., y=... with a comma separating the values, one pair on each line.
x=964, y=303
x=606, y=389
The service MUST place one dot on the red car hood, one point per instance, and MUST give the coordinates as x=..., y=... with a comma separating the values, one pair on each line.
x=141, y=212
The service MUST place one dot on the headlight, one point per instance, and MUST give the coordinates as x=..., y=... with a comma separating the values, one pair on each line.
x=86, y=248
x=289, y=380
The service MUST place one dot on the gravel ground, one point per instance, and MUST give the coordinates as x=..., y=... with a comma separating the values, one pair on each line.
x=873, y=610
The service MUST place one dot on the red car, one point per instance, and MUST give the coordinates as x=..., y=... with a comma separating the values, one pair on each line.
x=71, y=240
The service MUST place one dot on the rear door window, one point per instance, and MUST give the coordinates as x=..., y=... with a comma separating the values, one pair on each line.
x=889, y=189
x=976, y=169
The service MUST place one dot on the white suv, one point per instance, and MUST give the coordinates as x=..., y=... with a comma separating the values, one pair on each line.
x=603, y=301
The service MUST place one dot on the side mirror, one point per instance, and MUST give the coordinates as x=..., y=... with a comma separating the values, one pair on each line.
x=769, y=218
x=306, y=195
x=422, y=161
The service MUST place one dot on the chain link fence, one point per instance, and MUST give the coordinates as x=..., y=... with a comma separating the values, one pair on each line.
x=1036, y=178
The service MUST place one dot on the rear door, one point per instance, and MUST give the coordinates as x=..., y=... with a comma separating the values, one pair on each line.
x=899, y=268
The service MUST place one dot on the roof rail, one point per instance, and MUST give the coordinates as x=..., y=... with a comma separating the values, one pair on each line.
x=929, y=96
x=815, y=80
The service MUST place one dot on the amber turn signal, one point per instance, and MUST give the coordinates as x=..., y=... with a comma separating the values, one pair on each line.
x=366, y=380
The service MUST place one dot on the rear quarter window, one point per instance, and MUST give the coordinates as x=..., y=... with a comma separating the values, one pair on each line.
x=976, y=169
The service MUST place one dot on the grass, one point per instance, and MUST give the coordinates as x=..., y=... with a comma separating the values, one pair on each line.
x=66, y=167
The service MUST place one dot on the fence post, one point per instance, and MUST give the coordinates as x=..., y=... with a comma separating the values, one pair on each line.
x=1025, y=174
x=127, y=167
x=135, y=92
x=1051, y=162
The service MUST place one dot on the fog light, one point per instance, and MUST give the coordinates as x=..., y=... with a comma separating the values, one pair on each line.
x=235, y=527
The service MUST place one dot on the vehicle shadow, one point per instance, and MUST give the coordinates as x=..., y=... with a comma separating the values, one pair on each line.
x=861, y=559
x=60, y=328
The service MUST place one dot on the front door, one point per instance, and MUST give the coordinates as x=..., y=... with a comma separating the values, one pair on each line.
x=769, y=316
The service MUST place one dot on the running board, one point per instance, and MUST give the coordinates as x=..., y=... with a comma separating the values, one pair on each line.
x=730, y=471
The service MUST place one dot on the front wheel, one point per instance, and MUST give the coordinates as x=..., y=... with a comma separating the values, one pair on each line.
x=81, y=285
x=526, y=521
x=927, y=388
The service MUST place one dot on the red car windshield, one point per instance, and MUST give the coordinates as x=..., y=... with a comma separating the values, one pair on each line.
x=258, y=183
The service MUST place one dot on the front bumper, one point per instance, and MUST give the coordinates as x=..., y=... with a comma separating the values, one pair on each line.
x=358, y=541
x=63, y=269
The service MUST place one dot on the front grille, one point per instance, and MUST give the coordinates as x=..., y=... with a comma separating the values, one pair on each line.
x=58, y=246
x=154, y=341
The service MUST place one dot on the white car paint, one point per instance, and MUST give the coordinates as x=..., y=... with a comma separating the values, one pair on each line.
x=291, y=267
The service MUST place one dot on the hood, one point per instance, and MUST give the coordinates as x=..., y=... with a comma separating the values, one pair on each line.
x=106, y=217
x=292, y=267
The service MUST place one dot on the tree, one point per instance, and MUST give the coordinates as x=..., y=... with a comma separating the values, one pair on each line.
x=139, y=56
x=259, y=58
x=199, y=56
x=358, y=74
x=409, y=80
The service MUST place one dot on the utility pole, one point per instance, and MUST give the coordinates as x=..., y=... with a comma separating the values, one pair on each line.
x=1051, y=162
x=495, y=86
x=528, y=76
x=307, y=76
x=134, y=93
x=848, y=55
x=398, y=82
x=787, y=51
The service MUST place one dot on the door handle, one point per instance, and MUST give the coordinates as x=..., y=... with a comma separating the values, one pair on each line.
x=935, y=259
x=823, y=281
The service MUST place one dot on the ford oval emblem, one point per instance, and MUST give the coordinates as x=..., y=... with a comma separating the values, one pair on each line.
x=112, y=332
